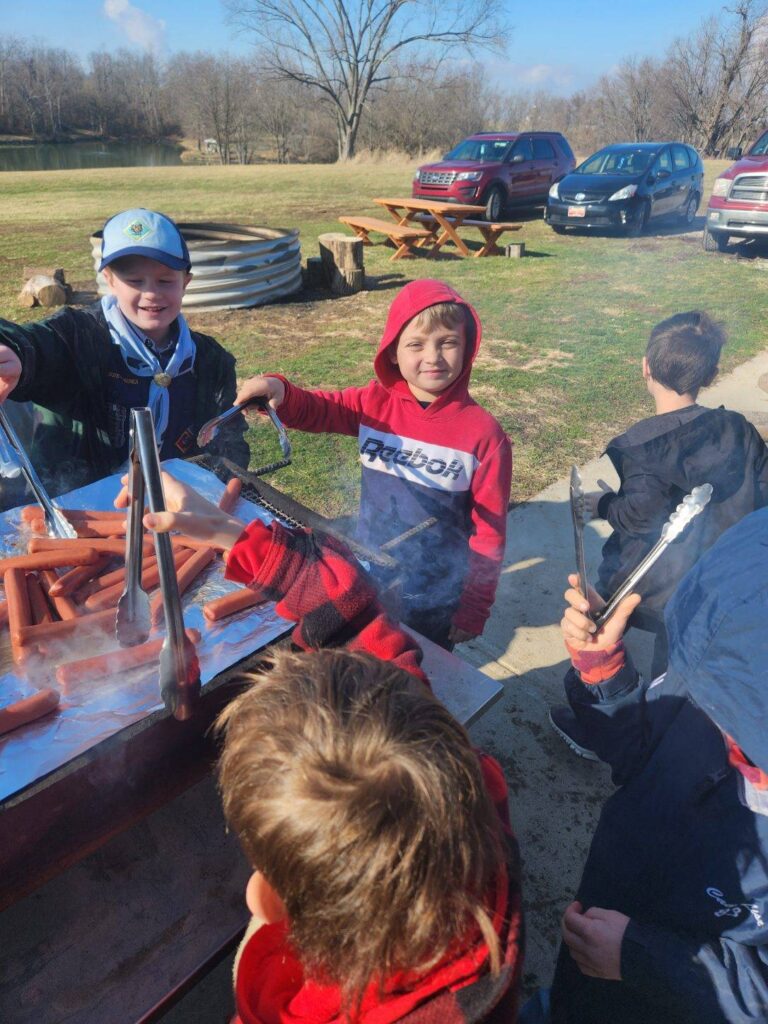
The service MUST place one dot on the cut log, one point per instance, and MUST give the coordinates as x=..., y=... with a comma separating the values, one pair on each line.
x=342, y=260
x=42, y=290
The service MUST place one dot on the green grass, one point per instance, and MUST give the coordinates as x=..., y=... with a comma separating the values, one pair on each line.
x=564, y=328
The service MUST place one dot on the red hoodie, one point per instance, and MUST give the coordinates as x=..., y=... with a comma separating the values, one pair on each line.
x=451, y=461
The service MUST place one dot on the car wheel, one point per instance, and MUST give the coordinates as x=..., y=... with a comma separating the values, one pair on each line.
x=689, y=213
x=715, y=242
x=494, y=204
x=638, y=225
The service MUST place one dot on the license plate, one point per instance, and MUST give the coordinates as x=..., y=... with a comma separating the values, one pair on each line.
x=577, y=211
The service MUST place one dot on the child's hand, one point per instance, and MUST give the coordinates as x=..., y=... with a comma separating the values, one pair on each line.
x=190, y=513
x=594, y=938
x=10, y=371
x=591, y=498
x=456, y=635
x=580, y=631
x=271, y=388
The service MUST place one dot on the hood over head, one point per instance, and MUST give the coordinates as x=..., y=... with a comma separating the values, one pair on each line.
x=410, y=301
x=717, y=622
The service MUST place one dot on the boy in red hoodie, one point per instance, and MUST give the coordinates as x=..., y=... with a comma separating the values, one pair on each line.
x=386, y=878
x=427, y=450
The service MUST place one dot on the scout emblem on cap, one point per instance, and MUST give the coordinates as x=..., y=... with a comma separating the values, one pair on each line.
x=164, y=380
x=137, y=230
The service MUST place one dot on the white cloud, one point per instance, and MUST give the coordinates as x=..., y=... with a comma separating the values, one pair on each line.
x=136, y=25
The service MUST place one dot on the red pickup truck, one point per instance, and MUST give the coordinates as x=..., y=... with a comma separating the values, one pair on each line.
x=738, y=206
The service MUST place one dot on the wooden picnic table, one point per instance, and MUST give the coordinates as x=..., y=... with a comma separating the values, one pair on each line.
x=449, y=217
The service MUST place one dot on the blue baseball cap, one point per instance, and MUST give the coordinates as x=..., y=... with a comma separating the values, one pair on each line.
x=144, y=233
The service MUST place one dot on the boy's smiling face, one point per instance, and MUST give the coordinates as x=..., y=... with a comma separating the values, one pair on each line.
x=429, y=358
x=148, y=293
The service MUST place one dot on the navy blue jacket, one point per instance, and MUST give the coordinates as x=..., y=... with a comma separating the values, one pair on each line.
x=682, y=845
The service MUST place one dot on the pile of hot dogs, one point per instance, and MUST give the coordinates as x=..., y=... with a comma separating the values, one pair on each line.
x=43, y=606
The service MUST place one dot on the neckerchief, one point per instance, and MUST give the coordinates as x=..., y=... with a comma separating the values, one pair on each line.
x=142, y=361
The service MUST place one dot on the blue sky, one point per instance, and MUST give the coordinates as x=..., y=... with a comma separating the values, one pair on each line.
x=557, y=45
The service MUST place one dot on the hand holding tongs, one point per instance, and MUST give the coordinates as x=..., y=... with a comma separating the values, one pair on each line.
x=15, y=457
x=179, y=667
x=209, y=430
x=691, y=505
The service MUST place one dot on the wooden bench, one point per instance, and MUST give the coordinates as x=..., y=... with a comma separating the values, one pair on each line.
x=402, y=237
x=490, y=230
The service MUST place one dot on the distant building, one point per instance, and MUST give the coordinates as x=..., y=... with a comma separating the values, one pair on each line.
x=210, y=146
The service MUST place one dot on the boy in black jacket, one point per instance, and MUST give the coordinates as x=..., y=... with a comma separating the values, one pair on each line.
x=661, y=459
x=87, y=368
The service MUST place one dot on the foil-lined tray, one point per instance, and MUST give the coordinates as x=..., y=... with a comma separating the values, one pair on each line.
x=90, y=712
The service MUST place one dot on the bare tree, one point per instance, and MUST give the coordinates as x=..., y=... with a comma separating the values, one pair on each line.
x=719, y=78
x=630, y=101
x=342, y=49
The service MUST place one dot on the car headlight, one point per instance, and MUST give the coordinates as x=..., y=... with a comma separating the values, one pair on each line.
x=469, y=176
x=417, y=176
x=554, y=192
x=624, y=193
x=722, y=187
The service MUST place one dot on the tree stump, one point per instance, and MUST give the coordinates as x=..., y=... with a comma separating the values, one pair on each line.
x=315, y=273
x=44, y=290
x=342, y=259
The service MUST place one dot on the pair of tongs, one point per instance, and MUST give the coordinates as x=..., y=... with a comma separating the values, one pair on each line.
x=691, y=505
x=14, y=457
x=179, y=667
x=210, y=429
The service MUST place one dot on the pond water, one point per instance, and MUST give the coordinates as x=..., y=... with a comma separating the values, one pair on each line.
x=71, y=156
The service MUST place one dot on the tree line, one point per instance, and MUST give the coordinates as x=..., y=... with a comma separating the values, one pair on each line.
x=386, y=91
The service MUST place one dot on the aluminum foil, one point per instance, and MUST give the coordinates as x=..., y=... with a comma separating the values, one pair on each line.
x=89, y=712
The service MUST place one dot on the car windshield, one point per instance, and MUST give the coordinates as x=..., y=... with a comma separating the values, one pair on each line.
x=482, y=150
x=617, y=161
x=760, y=148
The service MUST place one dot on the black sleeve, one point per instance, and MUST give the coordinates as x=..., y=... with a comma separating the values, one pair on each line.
x=641, y=505
x=49, y=362
x=230, y=442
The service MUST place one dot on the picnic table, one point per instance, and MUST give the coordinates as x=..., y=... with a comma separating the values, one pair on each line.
x=447, y=218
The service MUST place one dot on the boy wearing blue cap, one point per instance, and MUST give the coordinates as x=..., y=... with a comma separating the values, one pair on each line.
x=87, y=368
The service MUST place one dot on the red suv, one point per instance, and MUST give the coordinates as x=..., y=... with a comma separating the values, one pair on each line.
x=496, y=169
x=739, y=201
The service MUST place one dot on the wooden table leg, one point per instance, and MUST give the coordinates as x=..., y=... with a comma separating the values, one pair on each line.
x=449, y=234
x=403, y=249
x=490, y=234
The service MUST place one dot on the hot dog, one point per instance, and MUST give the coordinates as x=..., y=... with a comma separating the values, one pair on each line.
x=26, y=635
x=76, y=578
x=28, y=709
x=229, y=498
x=150, y=577
x=19, y=611
x=65, y=608
x=31, y=512
x=103, y=545
x=38, y=603
x=87, y=527
x=186, y=577
x=119, y=660
x=221, y=607
x=53, y=558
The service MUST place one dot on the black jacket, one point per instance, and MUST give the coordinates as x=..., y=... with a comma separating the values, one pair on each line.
x=65, y=361
x=661, y=459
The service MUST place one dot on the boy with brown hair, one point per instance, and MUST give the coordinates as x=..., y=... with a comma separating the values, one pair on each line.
x=661, y=459
x=428, y=451
x=386, y=879
x=380, y=884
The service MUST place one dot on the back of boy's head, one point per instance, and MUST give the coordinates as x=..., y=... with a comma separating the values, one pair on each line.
x=683, y=352
x=360, y=799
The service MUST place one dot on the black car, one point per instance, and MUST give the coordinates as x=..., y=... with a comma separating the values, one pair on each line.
x=626, y=185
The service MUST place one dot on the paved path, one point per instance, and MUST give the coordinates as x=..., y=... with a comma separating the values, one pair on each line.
x=556, y=796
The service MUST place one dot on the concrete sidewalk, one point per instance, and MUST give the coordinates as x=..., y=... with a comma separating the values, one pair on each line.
x=556, y=796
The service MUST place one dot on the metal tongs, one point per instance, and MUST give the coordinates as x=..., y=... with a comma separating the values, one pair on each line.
x=691, y=505
x=179, y=667
x=579, y=517
x=210, y=429
x=14, y=456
